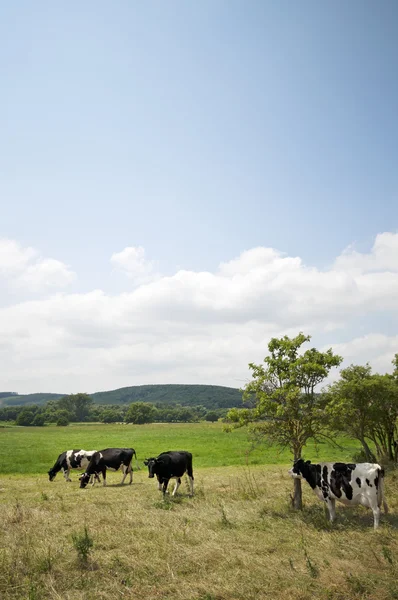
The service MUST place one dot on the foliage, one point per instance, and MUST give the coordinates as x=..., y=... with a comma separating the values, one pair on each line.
x=287, y=410
x=78, y=406
x=62, y=419
x=212, y=415
x=365, y=406
x=83, y=543
x=141, y=412
x=209, y=397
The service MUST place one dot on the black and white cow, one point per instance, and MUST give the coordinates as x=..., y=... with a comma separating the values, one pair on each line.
x=171, y=465
x=109, y=459
x=70, y=459
x=350, y=483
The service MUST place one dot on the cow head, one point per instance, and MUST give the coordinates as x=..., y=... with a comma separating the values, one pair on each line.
x=152, y=464
x=84, y=479
x=52, y=474
x=299, y=467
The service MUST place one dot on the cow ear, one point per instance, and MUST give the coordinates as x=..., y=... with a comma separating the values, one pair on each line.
x=146, y=461
x=307, y=462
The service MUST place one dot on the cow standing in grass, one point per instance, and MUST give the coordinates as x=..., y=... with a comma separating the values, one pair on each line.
x=109, y=459
x=349, y=483
x=70, y=459
x=171, y=465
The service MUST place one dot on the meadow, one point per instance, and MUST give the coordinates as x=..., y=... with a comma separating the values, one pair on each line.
x=236, y=539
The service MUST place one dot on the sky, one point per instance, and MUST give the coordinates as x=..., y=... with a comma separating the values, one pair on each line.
x=180, y=182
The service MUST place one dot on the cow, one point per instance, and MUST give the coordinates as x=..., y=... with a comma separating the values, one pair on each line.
x=109, y=459
x=350, y=483
x=170, y=465
x=70, y=459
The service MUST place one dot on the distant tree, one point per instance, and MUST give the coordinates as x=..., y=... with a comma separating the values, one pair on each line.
x=25, y=417
x=140, y=413
x=111, y=415
x=38, y=420
x=286, y=410
x=78, y=405
x=212, y=415
x=62, y=417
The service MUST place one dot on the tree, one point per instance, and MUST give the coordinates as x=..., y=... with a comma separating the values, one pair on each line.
x=78, y=405
x=62, y=421
x=285, y=406
x=365, y=407
x=141, y=412
x=212, y=416
x=62, y=417
x=38, y=420
x=25, y=417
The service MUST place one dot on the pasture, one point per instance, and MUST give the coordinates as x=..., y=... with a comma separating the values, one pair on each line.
x=236, y=539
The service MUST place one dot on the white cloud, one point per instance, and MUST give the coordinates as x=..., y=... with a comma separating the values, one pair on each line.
x=198, y=327
x=133, y=263
x=23, y=269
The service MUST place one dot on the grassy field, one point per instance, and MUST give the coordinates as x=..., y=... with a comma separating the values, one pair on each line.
x=34, y=449
x=236, y=539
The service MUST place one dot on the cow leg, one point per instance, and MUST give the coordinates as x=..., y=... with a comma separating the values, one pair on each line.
x=190, y=475
x=160, y=487
x=165, y=484
x=124, y=471
x=104, y=477
x=376, y=516
x=177, y=485
x=66, y=475
x=130, y=470
x=331, y=504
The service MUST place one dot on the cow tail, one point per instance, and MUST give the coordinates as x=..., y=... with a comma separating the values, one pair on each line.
x=380, y=492
x=136, y=459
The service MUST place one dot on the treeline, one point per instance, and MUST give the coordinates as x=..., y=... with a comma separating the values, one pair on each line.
x=78, y=408
x=209, y=396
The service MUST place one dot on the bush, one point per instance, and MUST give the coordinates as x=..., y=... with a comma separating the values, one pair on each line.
x=62, y=421
x=83, y=543
x=38, y=421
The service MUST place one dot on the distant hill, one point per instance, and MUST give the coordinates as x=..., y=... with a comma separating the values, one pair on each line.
x=210, y=396
x=20, y=400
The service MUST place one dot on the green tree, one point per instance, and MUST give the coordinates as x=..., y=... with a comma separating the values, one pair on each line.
x=141, y=412
x=286, y=408
x=212, y=416
x=25, y=417
x=78, y=405
x=38, y=420
x=365, y=407
x=62, y=417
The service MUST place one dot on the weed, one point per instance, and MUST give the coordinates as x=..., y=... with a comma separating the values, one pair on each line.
x=225, y=522
x=387, y=554
x=44, y=496
x=82, y=543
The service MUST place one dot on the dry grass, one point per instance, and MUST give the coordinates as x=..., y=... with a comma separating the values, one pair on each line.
x=237, y=539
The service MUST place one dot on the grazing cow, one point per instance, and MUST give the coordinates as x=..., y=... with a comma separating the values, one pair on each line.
x=350, y=483
x=170, y=465
x=112, y=459
x=70, y=459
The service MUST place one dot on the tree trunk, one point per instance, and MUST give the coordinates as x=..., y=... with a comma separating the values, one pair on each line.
x=297, y=499
x=369, y=454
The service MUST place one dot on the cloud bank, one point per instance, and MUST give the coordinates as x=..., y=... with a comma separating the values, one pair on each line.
x=191, y=327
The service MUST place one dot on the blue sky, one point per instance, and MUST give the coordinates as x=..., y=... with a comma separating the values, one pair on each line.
x=196, y=131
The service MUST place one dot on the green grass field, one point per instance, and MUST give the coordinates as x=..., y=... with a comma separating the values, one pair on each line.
x=236, y=539
x=33, y=450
